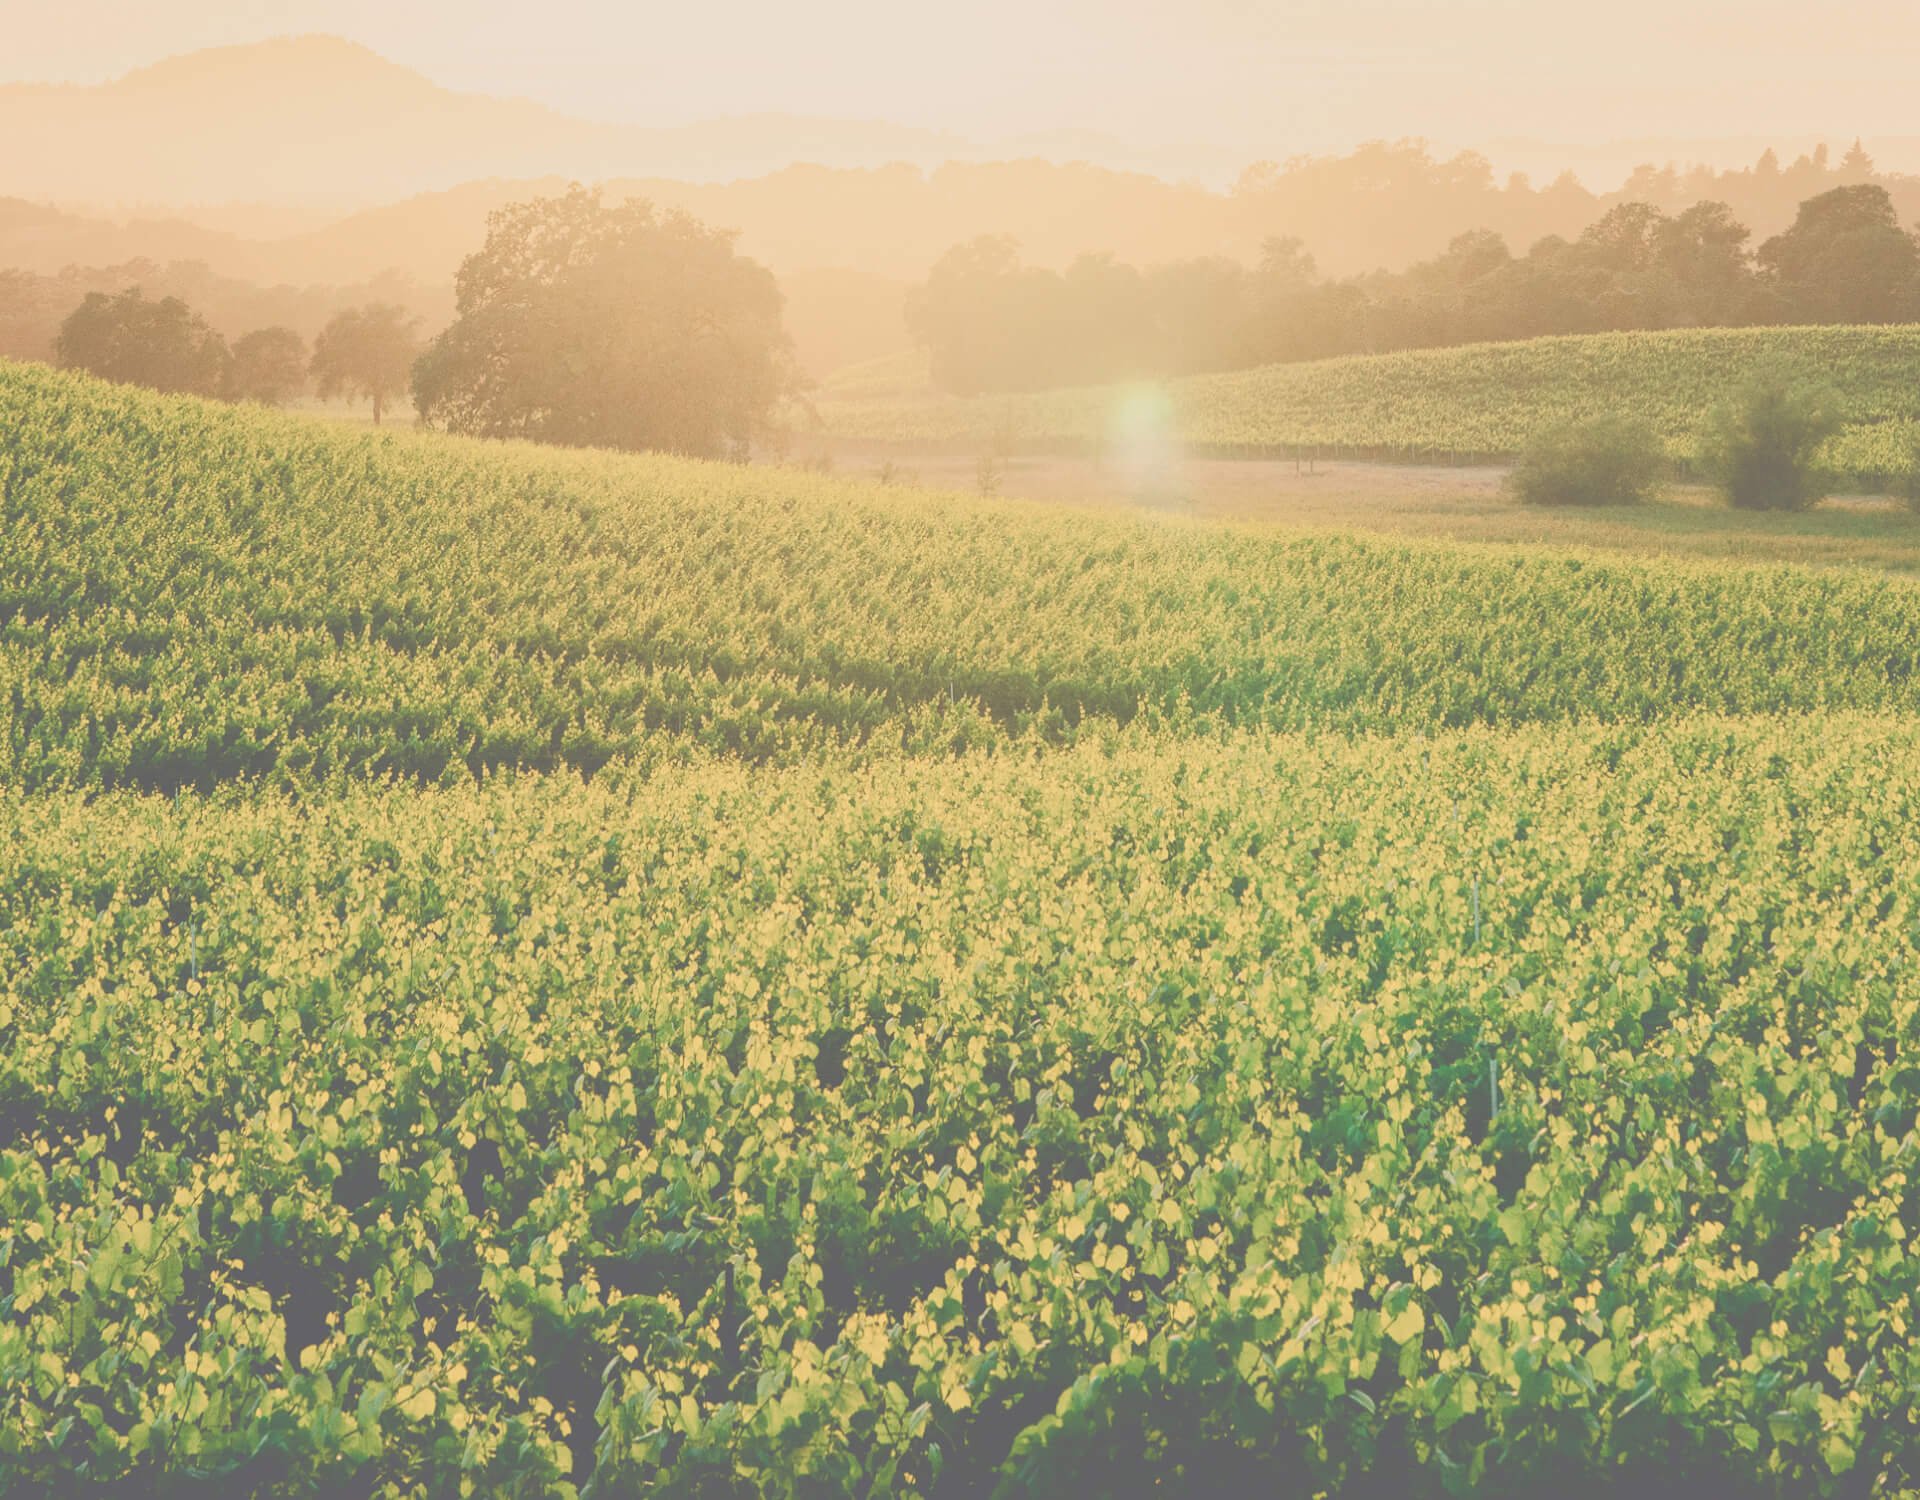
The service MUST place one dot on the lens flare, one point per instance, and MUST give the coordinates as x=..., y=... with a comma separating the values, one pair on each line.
x=1141, y=450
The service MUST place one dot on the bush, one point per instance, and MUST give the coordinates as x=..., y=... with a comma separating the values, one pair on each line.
x=1762, y=442
x=1600, y=461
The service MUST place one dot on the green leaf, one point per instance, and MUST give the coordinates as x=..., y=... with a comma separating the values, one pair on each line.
x=1409, y=1323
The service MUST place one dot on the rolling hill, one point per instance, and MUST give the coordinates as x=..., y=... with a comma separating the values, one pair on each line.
x=319, y=119
x=1429, y=405
x=252, y=606
x=542, y=968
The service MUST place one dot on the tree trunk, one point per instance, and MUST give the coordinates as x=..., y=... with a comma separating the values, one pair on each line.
x=379, y=405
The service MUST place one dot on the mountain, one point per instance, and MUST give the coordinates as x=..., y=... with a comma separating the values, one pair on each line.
x=318, y=119
x=313, y=167
x=36, y=237
x=893, y=221
x=846, y=243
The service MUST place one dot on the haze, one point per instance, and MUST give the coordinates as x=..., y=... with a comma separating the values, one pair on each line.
x=1260, y=79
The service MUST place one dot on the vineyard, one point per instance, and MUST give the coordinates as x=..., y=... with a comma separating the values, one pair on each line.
x=530, y=973
x=1434, y=405
x=191, y=597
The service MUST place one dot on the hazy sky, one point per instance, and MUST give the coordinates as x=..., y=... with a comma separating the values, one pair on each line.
x=1285, y=74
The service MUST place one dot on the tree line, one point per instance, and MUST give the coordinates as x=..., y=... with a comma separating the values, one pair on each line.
x=622, y=326
x=991, y=323
x=578, y=323
x=164, y=344
x=33, y=304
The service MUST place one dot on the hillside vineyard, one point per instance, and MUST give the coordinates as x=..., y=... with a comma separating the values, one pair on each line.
x=520, y=970
x=192, y=596
x=1482, y=401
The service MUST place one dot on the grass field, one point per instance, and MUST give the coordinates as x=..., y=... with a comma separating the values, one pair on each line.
x=1433, y=405
x=524, y=968
x=1450, y=503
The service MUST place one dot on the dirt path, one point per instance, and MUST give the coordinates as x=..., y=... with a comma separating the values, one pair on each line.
x=1462, y=504
x=1240, y=488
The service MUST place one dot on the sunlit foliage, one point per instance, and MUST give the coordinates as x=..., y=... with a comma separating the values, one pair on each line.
x=1192, y=1007
x=194, y=595
x=1482, y=401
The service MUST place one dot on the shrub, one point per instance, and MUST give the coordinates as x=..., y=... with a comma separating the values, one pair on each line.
x=1763, y=440
x=1608, y=460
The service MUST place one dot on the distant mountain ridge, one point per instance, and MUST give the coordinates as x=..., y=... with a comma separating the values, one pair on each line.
x=320, y=119
x=312, y=165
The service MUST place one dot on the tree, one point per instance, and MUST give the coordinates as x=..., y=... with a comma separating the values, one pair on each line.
x=987, y=321
x=1199, y=317
x=269, y=366
x=163, y=344
x=1703, y=256
x=618, y=327
x=366, y=351
x=1105, y=328
x=1291, y=314
x=1846, y=260
x=1625, y=238
x=1471, y=256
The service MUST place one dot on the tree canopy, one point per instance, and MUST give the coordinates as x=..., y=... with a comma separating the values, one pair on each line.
x=1846, y=259
x=609, y=326
x=269, y=366
x=162, y=344
x=992, y=323
x=366, y=352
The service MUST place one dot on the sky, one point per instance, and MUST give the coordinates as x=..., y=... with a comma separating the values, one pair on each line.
x=1285, y=75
